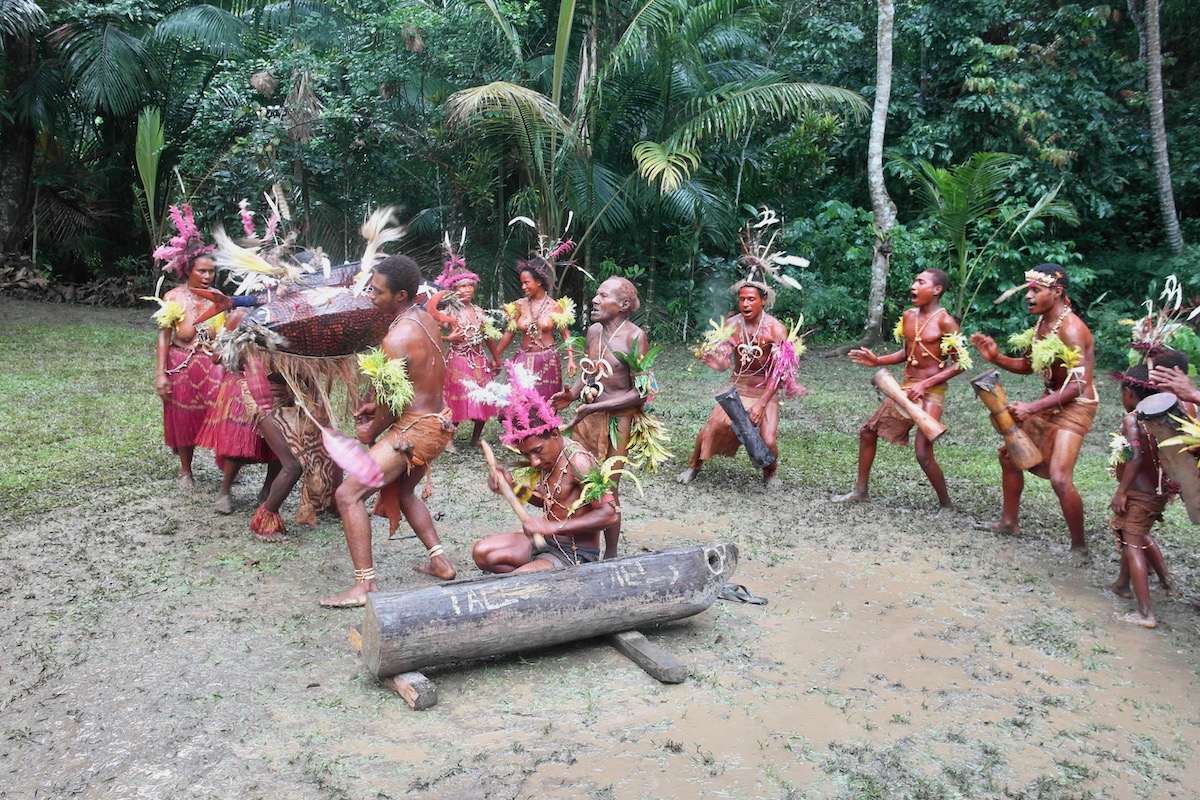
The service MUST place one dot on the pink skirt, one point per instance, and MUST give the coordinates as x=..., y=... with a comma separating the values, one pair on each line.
x=545, y=367
x=231, y=428
x=464, y=373
x=193, y=390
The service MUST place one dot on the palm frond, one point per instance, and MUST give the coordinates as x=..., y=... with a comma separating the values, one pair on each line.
x=655, y=15
x=148, y=148
x=112, y=70
x=730, y=111
x=20, y=18
x=217, y=31
x=507, y=100
x=665, y=165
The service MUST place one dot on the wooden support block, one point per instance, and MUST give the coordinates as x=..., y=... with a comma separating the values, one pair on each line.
x=355, y=637
x=661, y=665
x=419, y=692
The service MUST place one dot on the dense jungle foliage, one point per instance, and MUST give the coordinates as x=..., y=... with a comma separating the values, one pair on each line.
x=655, y=128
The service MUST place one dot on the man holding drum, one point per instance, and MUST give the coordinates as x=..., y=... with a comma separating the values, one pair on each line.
x=1059, y=348
x=932, y=352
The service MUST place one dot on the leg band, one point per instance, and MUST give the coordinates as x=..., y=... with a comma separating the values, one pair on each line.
x=364, y=575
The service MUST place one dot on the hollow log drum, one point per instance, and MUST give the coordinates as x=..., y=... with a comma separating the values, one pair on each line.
x=406, y=631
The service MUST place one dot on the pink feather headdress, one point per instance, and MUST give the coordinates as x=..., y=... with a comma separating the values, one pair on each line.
x=526, y=413
x=454, y=268
x=183, y=247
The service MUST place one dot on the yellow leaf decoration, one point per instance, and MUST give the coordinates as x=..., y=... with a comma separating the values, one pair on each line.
x=715, y=338
x=898, y=331
x=510, y=310
x=956, y=344
x=648, y=441
x=1189, y=437
x=1119, y=452
x=1021, y=342
x=169, y=312
x=389, y=376
x=565, y=317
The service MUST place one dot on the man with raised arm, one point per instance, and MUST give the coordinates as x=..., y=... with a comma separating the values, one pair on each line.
x=407, y=422
x=754, y=352
x=931, y=351
x=1058, y=348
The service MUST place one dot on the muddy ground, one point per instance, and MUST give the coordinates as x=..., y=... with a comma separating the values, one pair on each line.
x=151, y=649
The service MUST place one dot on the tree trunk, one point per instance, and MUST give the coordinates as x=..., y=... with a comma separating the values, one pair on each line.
x=1158, y=129
x=18, y=150
x=882, y=207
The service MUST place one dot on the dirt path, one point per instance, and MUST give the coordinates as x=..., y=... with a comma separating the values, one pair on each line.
x=152, y=650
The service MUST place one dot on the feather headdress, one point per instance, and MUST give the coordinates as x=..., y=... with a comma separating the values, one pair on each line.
x=454, y=268
x=525, y=413
x=762, y=261
x=552, y=257
x=185, y=246
x=1153, y=333
x=379, y=229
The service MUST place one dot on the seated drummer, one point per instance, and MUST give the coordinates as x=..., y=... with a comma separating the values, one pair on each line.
x=577, y=501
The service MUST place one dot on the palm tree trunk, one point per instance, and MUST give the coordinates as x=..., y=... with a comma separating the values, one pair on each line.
x=1158, y=129
x=19, y=148
x=883, y=209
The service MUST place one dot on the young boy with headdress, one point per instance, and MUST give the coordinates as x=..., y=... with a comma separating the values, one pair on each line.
x=571, y=487
x=932, y=351
x=1060, y=349
x=1143, y=491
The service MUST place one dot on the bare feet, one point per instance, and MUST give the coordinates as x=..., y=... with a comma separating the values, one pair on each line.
x=438, y=567
x=1005, y=529
x=474, y=443
x=1172, y=591
x=275, y=537
x=1134, y=618
x=686, y=476
x=1121, y=589
x=771, y=481
x=852, y=497
x=354, y=597
x=1078, y=557
x=450, y=448
x=185, y=481
x=224, y=504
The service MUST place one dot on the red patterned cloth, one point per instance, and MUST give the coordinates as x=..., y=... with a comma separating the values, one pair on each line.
x=231, y=427
x=464, y=372
x=545, y=366
x=194, y=380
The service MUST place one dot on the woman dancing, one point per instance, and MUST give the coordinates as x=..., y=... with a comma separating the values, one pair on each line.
x=474, y=358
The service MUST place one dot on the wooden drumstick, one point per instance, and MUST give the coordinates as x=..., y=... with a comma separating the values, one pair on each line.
x=539, y=541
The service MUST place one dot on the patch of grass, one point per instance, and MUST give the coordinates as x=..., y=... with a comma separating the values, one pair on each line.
x=77, y=411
